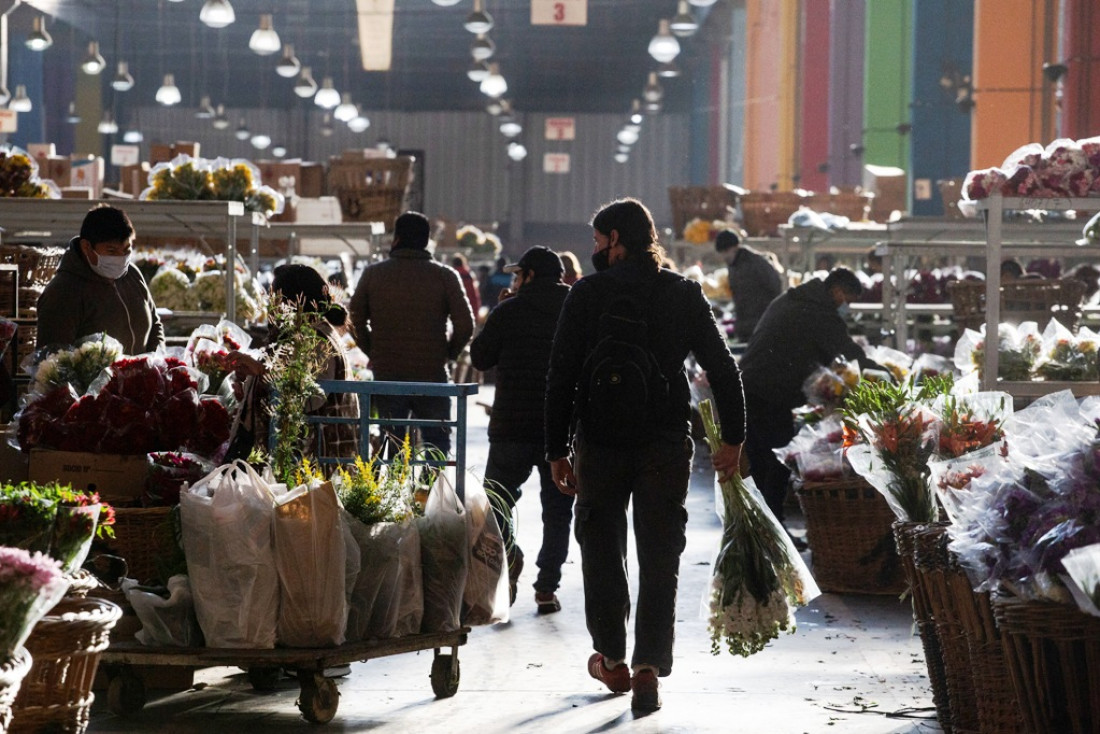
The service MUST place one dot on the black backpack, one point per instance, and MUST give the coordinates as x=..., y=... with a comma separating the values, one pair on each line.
x=623, y=392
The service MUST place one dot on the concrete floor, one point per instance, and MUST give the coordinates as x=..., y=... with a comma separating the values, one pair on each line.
x=853, y=665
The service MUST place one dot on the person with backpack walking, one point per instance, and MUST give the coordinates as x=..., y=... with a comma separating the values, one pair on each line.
x=516, y=340
x=617, y=394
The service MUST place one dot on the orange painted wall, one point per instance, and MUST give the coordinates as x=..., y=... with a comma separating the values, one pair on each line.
x=771, y=81
x=1011, y=38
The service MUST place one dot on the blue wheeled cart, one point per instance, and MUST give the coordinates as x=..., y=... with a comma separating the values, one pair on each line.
x=319, y=697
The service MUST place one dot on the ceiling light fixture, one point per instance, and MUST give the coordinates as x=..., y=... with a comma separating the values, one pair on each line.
x=279, y=151
x=289, y=65
x=446, y=3
x=652, y=91
x=20, y=102
x=652, y=108
x=668, y=70
x=494, y=85
x=496, y=106
x=107, y=126
x=702, y=3
x=517, y=151
x=509, y=127
x=123, y=81
x=482, y=47
x=264, y=40
x=93, y=62
x=622, y=157
x=636, y=112
x=217, y=13
x=260, y=141
x=478, y=21
x=627, y=136
x=326, y=126
x=327, y=97
x=664, y=47
x=221, y=120
x=478, y=71
x=169, y=93
x=305, y=86
x=360, y=122
x=683, y=24
x=39, y=39
x=346, y=109
x=133, y=136
x=205, y=110
x=242, y=133
x=73, y=117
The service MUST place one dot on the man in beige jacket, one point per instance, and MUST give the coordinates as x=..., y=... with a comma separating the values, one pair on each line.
x=410, y=315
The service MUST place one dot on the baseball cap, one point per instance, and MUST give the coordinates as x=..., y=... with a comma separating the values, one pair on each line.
x=542, y=261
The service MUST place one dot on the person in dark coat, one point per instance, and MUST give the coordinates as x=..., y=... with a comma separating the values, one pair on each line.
x=516, y=339
x=97, y=288
x=800, y=331
x=754, y=281
x=653, y=474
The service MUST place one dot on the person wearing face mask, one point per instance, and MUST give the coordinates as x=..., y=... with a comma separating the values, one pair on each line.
x=754, y=281
x=97, y=289
x=801, y=330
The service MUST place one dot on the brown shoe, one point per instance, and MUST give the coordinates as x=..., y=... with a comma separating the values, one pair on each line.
x=616, y=679
x=647, y=691
x=547, y=602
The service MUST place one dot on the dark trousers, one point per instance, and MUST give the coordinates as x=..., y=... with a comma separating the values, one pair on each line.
x=770, y=427
x=431, y=407
x=508, y=467
x=656, y=478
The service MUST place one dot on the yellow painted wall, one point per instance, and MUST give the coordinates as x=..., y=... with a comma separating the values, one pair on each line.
x=771, y=82
x=1010, y=46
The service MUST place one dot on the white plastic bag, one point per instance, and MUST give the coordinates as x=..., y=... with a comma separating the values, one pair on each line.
x=310, y=558
x=485, y=599
x=227, y=540
x=165, y=622
x=443, y=555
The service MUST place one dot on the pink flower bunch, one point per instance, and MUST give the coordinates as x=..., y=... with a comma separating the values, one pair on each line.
x=1063, y=168
x=30, y=585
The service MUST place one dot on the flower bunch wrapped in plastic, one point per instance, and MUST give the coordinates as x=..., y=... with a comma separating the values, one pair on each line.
x=19, y=177
x=198, y=179
x=969, y=443
x=1018, y=349
x=80, y=517
x=30, y=585
x=758, y=577
x=827, y=386
x=78, y=366
x=816, y=452
x=1067, y=356
x=699, y=231
x=27, y=515
x=168, y=472
x=1083, y=577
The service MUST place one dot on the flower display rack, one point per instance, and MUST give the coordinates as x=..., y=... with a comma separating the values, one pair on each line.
x=848, y=529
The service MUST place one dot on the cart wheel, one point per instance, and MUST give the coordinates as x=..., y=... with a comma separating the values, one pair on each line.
x=445, y=675
x=264, y=678
x=319, y=697
x=125, y=693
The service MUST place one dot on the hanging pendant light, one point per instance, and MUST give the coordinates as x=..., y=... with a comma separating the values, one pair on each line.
x=169, y=93
x=446, y=3
x=217, y=13
x=305, y=86
x=279, y=151
x=652, y=91
x=326, y=126
x=107, y=126
x=327, y=97
x=636, y=113
x=242, y=133
x=621, y=157
x=478, y=21
x=683, y=24
x=627, y=136
x=20, y=102
x=221, y=120
x=496, y=106
x=39, y=39
x=93, y=63
x=702, y=3
x=205, y=110
x=664, y=47
x=265, y=41
x=123, y=81
x=482, y=47
x=494, y=85
x=346, y=109
x=517, y=151
x=132, y=136
x=509, y=126
x=478, y=71
x=289, y=65
x=360, y=122
x=72, y=117
x=260, y=141
x=668, y=70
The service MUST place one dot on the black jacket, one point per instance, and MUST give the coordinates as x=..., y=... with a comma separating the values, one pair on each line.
x=681, y=322
x=516, y=339
x=800, y=331
x=754, y=282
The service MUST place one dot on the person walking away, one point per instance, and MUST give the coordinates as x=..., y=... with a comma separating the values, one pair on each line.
x=516, y=339
x=800, y=331
x=631, y=325
x=754, y=281
x=97, y=289
x=411, y=317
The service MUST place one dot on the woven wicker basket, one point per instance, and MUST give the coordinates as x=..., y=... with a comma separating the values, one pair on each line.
x=66, y=645
x=1022, y=300
x=37, y=265
x=12, y=672
x=856, y=205
x=140, y=538
x=705, y=202
x=763, y=211
x=1052, y=651
x=905, y=535
x=848, y=528
x=370, y=189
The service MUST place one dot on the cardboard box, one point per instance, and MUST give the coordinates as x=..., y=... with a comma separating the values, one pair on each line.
x=119, y=479
x=322, y=210
x=283, y=176
x=290, y=211
x=161, y=153
x=311, y=180
x=186, y=147
x=41, y=150
x=134, y=179
x=56, y=168
x=77, y=192
x=889, y=185
x=87, y=171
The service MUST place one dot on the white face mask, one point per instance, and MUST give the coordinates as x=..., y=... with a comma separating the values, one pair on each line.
x=112, y=267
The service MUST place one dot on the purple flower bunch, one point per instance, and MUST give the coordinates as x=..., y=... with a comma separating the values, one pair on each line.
x=30, y=585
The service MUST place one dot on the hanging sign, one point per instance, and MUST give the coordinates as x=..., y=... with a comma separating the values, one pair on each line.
x=8, y=121
x=561, y=128
x=559, y=12
x=125, y=155
x=555, y=163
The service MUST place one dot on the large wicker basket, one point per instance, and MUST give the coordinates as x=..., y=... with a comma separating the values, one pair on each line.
x=141, y=538
x=763, y=211
x=66, y=645
x=370, y=189
x=12, y=672
x=1022, y=300
x=848, y=526
x=1052, y=651
x=703, y=202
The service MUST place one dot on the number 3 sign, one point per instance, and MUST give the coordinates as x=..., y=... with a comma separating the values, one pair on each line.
x=559, y=12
